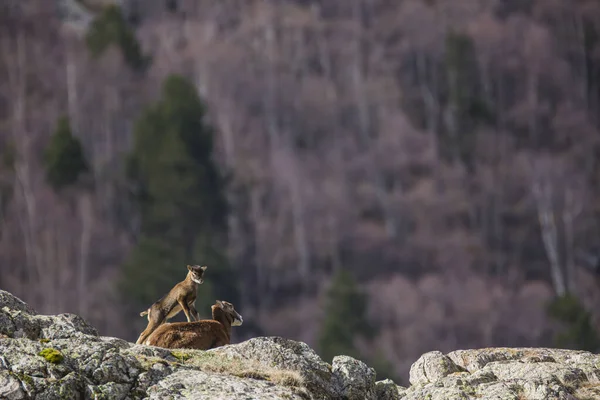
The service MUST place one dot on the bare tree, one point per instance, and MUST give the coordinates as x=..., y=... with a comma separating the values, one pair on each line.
x=559, y=195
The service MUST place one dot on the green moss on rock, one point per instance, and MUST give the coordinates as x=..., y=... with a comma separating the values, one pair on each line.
x=25, y=378
x=181, y=356
x=147, y=362
x=52, y=355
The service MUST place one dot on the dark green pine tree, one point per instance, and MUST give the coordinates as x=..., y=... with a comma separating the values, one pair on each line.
x=579, y=332
x=7, y=165
x=464, y=99
x=111, y=28
x=64, y=158
x=346, y=311
x=181, y=198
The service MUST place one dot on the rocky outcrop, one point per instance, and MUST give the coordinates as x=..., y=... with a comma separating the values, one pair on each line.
x=63, y=357
x=506, y=373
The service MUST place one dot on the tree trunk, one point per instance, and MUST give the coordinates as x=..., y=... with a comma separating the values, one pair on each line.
x=72, y=98
x=365, y=123
x=543, y=194
x=87, y=222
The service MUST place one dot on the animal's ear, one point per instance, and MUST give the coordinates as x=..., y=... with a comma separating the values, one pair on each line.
x=189, y=267
x=203, y=268
x=220, y=303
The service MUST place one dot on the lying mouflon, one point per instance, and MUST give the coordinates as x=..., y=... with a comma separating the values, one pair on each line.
x=202, y=335
x=181, y=297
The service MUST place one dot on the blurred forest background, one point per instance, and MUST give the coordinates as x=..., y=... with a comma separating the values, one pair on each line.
x=378, y=178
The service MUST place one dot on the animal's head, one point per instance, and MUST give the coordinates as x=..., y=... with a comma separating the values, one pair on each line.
x=197, y=273
x=235, y=318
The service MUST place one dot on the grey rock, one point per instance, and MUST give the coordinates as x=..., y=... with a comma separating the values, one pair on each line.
x=17, y=323
x=279, y=353
x=508, y=373
x=64, y=326
x=202, y=385
x=18, y=320
x=10, y=387
x=12, y=302
x=109, y=391
x=62, y=357
x=388, y=390
x=430, y=367
x=71, y=386
x=355, y=380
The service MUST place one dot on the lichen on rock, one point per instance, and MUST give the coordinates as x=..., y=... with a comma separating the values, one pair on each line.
x=355, y=380
x=506, y=373
x=388, y=390
x=289, y=355
x=431, y=367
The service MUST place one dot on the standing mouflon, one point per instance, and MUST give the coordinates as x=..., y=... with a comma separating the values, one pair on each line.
x=203, y=335
x=181, y=297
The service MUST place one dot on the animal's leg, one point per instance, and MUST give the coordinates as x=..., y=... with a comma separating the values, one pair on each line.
x=194, y=312
x=146, y=332
x=185, y=308
x=154, y=321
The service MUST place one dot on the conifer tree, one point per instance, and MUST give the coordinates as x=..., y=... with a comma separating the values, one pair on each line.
x=579, y=332
x=111, y=28
x=64, y=158
x=181, y=199
x=346, y=318
x=466, y=106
